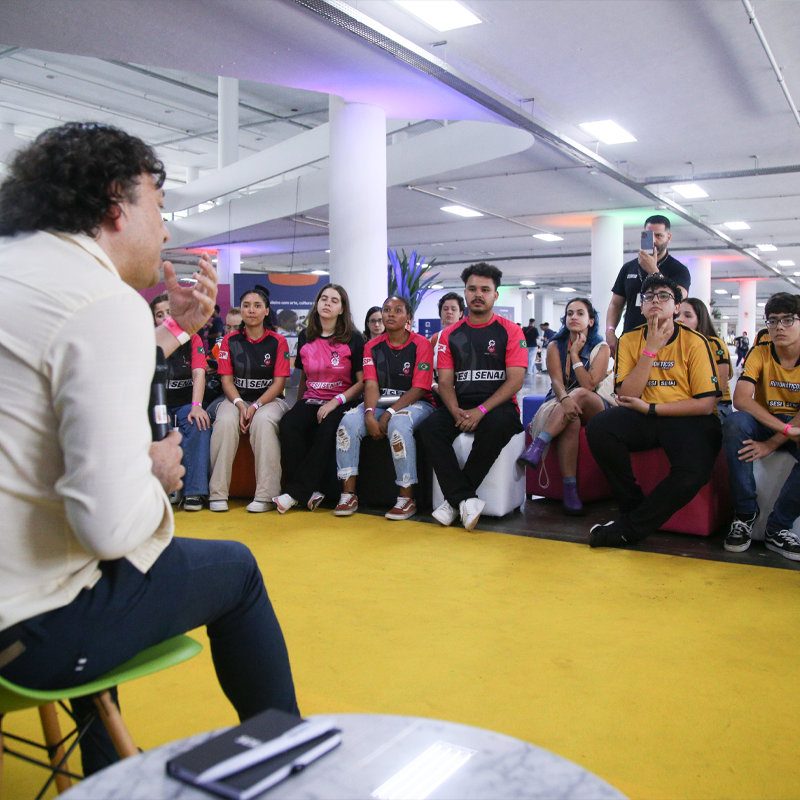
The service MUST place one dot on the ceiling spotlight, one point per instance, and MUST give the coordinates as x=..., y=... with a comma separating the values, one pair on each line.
x=461, y=211
x=445, y=188
x=736, y=226
x=548, y=237
x=566, y=289
x=766, y=248
x=437, y=286
x=734, y=297
x=608, y=132
x=761, y=305
x=444, y=15
x=327, y=251
x=720, y=291
x=319, y=272
x=527, y=283
x=724, y=317
x=787, y=262
x=690, y=191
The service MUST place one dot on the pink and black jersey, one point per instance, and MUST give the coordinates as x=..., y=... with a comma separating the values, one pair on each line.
x=254, y=364
x=398, y=369
x=330, y=367
x=187, y=357
x=479, y=355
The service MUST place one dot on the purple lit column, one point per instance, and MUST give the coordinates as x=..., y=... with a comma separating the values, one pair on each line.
x=357, y=210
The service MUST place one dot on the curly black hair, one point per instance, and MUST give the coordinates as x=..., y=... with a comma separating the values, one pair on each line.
x=483, y=270
x=70, y=177
x=662, y=282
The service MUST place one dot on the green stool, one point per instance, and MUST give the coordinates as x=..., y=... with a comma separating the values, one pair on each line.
x=15, y=698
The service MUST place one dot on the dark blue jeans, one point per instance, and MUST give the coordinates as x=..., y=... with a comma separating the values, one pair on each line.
x=740, y=426
x=193, y=583
x=196, y=446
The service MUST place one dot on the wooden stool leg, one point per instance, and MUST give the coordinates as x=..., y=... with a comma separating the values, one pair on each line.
x=112, y=719
x=52, y=737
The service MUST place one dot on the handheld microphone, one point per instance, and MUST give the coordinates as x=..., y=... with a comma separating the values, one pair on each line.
x=159, y=419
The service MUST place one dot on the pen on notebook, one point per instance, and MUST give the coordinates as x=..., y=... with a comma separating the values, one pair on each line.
x=304, y=732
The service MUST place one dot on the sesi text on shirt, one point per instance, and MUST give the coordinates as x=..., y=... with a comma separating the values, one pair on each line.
x=684, y=367
x=254, y=363
x=479, y=356
x=180, y=364
x=330, y=367
x=777, y=388
x=398, y=369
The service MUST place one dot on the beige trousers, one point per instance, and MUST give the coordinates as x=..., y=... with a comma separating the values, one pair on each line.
x=264, y=440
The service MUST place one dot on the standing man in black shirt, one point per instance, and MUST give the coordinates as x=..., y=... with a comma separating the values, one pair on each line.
x=626, y=291
x=532, y=340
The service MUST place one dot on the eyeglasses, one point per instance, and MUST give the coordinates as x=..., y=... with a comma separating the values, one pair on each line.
x=781, y=322
x=662, y=297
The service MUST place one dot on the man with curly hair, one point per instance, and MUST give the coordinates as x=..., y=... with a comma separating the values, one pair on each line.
x=90, y=574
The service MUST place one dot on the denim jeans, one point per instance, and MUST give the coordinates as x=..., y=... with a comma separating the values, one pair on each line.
x=196, y=446
x=192, y=583
x=353, y=428
x=740, y=426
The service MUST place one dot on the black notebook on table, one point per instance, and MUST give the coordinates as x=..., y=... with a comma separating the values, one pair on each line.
x=254, y=756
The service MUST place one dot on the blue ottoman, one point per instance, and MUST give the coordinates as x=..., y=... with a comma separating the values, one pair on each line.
x=530, y=405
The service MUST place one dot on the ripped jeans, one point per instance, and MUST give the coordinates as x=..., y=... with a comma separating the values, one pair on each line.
x=353, y=428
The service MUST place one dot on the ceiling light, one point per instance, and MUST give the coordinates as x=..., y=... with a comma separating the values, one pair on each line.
x=445, y=188
x=766, y=248
x=527, y=283
x=461, y=211
x=530, y=295
x=327, y=251
x=566, y=289
x=319, y=272
x=720, y=291
x=444, y=15
x=437, y=286
x=724, y=317
x=734, y=297
x=736, y=226
x=786, y=263
x=608, y=132
x=761, y=305
x=548, y=237
x=690, y=191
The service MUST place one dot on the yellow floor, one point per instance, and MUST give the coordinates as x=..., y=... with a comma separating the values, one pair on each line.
x=669, y=677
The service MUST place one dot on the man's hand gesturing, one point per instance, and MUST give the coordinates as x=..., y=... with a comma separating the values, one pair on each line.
x=191, y=306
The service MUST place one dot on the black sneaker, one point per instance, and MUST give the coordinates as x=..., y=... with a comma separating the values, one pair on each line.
x=608, y=535
x=784, y=542
x=193, y=503
x=740, y=535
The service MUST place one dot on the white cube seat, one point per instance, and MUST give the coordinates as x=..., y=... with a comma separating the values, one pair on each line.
x=771, y=473
x=503, y=489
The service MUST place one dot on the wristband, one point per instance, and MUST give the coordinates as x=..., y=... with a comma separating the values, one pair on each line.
x=176, y=330
x=579, y=364
x=786, y=430
x=482, y=408
x=238, y=400
x=648, y=353
x=367, y=410
x=196, y=404
x=391, y=411
x=341, y=398
x=611, y=328
x=256, y=405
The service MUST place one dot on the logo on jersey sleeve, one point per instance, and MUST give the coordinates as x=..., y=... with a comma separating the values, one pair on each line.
x=407, y=368
x=223, y=355
x=286, y=355
x=523, y=343
x=368, y=362
x=201, y=351
x=441, y=348
x=423, y=367
x=267, y=359
x=492, y=345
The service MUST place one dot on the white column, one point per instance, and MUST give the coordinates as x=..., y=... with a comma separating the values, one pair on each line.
x=607, y=259
x=526, y=307
x=723, y=329
x=229, y=263
x=357, y=198
x=227, y=121
x=748, y=321
x=543, y=310
x=700, y=270
x=192, y=174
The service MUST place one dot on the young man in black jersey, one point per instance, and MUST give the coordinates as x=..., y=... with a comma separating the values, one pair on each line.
x=482, y=361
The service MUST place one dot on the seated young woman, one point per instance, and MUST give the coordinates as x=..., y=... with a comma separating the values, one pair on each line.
x=330, y=352
x=397, y=397
x=577, y=361
x=253, y=367
x=694, y=315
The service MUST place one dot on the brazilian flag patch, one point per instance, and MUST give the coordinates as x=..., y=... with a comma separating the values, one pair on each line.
x=424, y=367
x=286, y=355
x=201, y=351
x=523, y=343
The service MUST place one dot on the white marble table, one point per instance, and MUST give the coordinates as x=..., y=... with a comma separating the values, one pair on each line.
x=374, y=748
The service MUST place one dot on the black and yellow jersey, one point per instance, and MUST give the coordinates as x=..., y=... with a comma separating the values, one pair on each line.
x=684, y=368
x=777, y=388
x=722, y=356
x=763, y=336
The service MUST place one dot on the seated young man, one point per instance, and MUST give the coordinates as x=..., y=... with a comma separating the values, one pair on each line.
x=482, y=360
x=667, y=389
x=767, y=399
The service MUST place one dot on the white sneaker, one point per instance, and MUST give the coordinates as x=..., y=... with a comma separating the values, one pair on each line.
x=218, y=505
x=284, y=502
x=260, y=506
x=471, y=512
x=445, y=515
x=315, y=500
